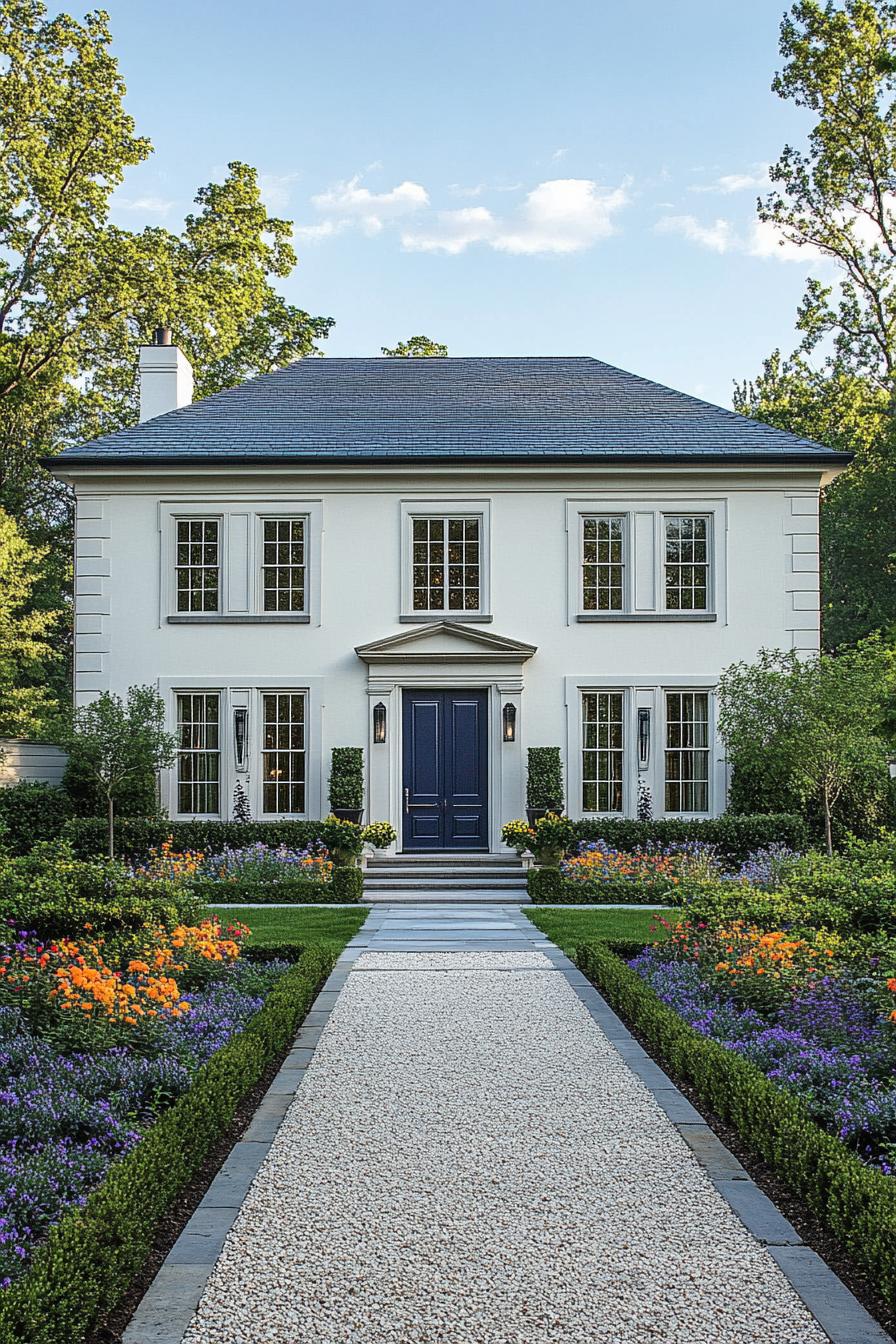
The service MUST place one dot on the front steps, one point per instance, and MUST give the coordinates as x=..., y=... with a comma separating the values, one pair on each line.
x=445, y=879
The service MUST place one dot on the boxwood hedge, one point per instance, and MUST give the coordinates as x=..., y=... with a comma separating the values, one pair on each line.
x=86, y=1264
x=856, y=1203
x=345, y=888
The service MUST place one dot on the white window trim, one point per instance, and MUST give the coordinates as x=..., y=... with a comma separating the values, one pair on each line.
x=710, y=561
x=642, y=693
x=282, y=515
x=659, y=799
x=626, y=566
x=195, y=516
x=627, y=740
x=445, y=508
x=240, y=563
x=241, y=692
x=199, y=689
x=642, y=569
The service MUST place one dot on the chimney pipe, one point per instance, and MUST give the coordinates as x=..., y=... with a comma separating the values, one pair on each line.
x=165, y=374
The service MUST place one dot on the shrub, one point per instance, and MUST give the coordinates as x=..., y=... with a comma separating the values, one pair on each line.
x=855, y=1202
x=288, y=891
x=347, y=777
x=544, y=778
x=545, y=885
x=734, y=836
x=90, y=1257
x=31, y=812
x=52, y=893
x=347, y=886
x=343, y=839
x=136, y=836
x=379, y=834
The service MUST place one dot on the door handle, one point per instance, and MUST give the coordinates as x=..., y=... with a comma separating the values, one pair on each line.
x=408, y=805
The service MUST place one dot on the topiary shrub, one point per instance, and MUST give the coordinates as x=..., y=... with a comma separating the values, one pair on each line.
x=544, y=779
x=31, y=812
x=347, y=779
x=545, y=885
x=346, y=886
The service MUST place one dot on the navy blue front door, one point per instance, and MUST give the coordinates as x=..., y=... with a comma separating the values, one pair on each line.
x=444, y=745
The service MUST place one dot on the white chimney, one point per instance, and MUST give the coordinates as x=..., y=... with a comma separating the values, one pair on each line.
x=166, y=376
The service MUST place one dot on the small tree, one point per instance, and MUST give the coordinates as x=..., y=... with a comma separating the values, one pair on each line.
x=813, y=725
x=116, y=741
x=241, y=810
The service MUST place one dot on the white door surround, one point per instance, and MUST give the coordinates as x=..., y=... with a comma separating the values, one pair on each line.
x=446, y=655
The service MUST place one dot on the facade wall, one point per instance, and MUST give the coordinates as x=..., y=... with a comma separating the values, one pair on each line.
x=36, y=762
x=765, y=575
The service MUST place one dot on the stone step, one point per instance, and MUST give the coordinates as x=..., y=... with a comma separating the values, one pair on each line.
x=444, y=870
x=439, y=896
x=423, y=883
x=440, y=856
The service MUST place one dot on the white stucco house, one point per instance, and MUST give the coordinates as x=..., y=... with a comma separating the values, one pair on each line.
x=445, y=561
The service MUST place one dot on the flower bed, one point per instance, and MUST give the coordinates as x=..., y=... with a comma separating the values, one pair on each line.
x=255, y=874
x=856, y=1201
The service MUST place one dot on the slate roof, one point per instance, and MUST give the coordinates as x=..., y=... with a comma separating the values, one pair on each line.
x=348, y=410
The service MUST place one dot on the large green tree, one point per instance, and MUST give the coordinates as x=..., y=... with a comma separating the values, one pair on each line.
x=78, y=294
x=835, y=197
x=27, y=654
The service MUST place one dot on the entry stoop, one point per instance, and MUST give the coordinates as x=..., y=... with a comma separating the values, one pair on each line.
x=444, y=878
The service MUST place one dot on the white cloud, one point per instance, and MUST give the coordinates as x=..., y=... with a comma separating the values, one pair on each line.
x=144, y=205
x=276, y=189
x=560, y=216
x=766, y=240
x=313, y=233
x=732, y=182
x=718, y=236
x=349, y=203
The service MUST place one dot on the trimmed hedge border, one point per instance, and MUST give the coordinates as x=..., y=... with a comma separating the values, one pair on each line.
x=735, y=835
x=346, y=887
x=88, y=1261
x=548, y=886
x=855, y=1202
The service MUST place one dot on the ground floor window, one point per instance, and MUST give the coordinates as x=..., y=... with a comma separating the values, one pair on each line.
x=199, y=754
x=283, y=756
x=602, y=751
x=687, y=751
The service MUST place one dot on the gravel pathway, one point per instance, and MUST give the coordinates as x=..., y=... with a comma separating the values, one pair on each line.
x=469, y=1161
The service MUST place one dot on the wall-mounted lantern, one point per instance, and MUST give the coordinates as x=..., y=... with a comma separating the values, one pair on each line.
x=240, y=736
x=379, y=722
x=508, y=721
x=643, y=737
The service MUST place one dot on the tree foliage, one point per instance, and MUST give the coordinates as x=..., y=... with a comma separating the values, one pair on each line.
x=78, y=294
x=416, y=347
x=810, y=730
x=117, y=742
x=835, y=197
x=27, y=650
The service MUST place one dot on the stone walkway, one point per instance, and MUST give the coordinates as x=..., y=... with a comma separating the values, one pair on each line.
x=479, y=1153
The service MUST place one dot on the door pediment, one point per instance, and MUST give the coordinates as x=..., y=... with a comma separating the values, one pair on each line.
x=445, y=642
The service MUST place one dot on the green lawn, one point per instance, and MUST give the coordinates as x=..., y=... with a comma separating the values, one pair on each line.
x=300, y=925
x=568, y=926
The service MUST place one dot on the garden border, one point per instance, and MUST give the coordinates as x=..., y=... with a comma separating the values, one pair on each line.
x=93, y=1253
x=170, y=1302
x=837, y=1310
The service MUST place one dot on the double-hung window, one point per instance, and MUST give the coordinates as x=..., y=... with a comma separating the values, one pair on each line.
x=199, y=754
x=284, y=564
x=198, y=564
x=686, y=562
x=602, y=751
x=283, y=763
x=603, y=563
x=446, y=564
x=687, y=751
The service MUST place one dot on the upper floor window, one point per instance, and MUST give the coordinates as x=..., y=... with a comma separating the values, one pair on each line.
x=198, y=564
x=602, y=751
x=199, y=754
x=687, y=751
x=603, y=563
x=686, y=565
x=284, y=564
x=283, y=753
x=445, y=564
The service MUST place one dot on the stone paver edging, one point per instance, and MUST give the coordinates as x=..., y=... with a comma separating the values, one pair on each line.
x=166, y=1311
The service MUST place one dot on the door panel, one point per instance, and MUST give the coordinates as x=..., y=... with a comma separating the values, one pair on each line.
x=445, y=748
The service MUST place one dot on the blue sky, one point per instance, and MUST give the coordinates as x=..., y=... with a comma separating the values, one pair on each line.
x=505, y=176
